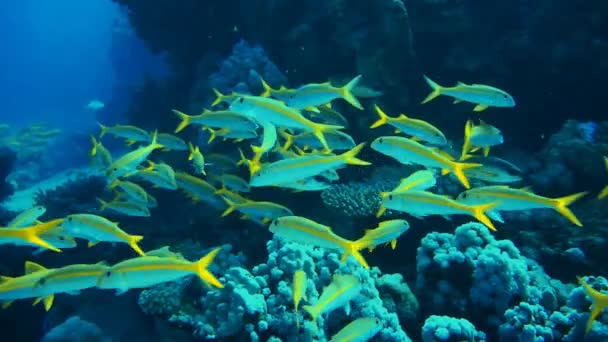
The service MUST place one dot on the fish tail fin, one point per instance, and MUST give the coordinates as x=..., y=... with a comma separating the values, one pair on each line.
x=33, y=233
x=267, y=89
x=94, y=149
x=202, y=268
x=561, y=205
x=604, y=193
x=350, y=157
x=219, y=97
x=212, y=135
x=383, y=118
x=243, y=160
x=599, y=302
x=231, y=207
x=104, y=130
x=347, y=92
x=312, y=311
x=352, y=249
x=155, y=145
x=185, y=120
x=288, y=139
x=320, y=129
x=466, y=146
x=133, y=240
x=458, y=170
x=479, y=212
x=486, y=151
x=103, y=205
x=382, y=208
x=436, y=90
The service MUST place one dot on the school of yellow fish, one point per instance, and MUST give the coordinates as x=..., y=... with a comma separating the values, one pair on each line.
x=303, y=145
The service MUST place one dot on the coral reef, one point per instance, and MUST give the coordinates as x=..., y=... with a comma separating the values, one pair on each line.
x=78, y=195
x=75, y=329
x=258, y=305
x=444, y=328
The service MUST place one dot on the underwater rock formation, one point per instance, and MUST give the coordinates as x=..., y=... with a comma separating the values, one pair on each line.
x=8, y=158
x=75, y=196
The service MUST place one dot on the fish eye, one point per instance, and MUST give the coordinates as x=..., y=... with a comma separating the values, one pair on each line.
x=61, y=238
x=464, y=195
x=241, y=100
x=69, y=219
x=390, y=197
x=380, y=140
x=377, y=321
x=108, y=274
x=505, y=96
x=115, y=169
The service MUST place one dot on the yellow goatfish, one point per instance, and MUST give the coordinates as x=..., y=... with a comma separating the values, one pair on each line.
x=23, y=287
x=311, y=95
x=418, y=129
x=599, y=301
x=283, y=93
x=126, y=132
x=299, y=292
x=197, y=159
x=386, y=232
x=129, y=162
x=27, y=217
x=266, y=210
x=198, y=189
x=102, y=156
x=343, y=288
x=423, y=203
x=294, y=169
x=31, y=235
x=482, y=95
x=419, y=180
x=604, y=192
x=510, y=199
x=263, y=109
x=360, y=330
x=142, y=272
x=71, y=279
x=478, y=137
x=99, y=229
x=305, y=231
x=222, y=119
x=407, y=151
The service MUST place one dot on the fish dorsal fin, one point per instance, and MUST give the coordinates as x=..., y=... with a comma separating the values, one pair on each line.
x=403, y=116
x=102, y=263
x=459, y=83
x=482, y=123
x=31, y=267
x=5, y=279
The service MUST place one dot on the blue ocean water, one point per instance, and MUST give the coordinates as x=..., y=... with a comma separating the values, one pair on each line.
x=300, y=171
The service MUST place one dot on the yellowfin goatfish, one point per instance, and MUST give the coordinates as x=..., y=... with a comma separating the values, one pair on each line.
x=58, y=239
x=604, y=191
x=493, y=170
x=299, y=292
x=157, y=179
x=386, y=232
x=342, y=289
x=31, y=235
x=328, y=116
x=219, y=97
x=148, y=271
x=227, y=133
x=232, y=196
x=482, y=95
x=24, y=287
x=99, y=229
x=482, y=137
x=131, y=190
x=198, y=189
x=317, y=94
x=407, y=151
x=197, y=159
x=220, y=163
x=360, y=330
x=337, y=140
x=419, y=180
x=294, y=169
x=234, y=183
x=171, y=142
x=307, y=184
x=510, y=199
x=265, y=210
x=302, y=230
x=27, y=217
x=71, y=279
x=129, y=162
x=264, y=109
x=128, y=132
x=423, y=203
x=217, y=119
x=599, y=301
x=125, y=207
x=100, y=153
x=418, y=129
x=94, y=105
x=283, y=93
